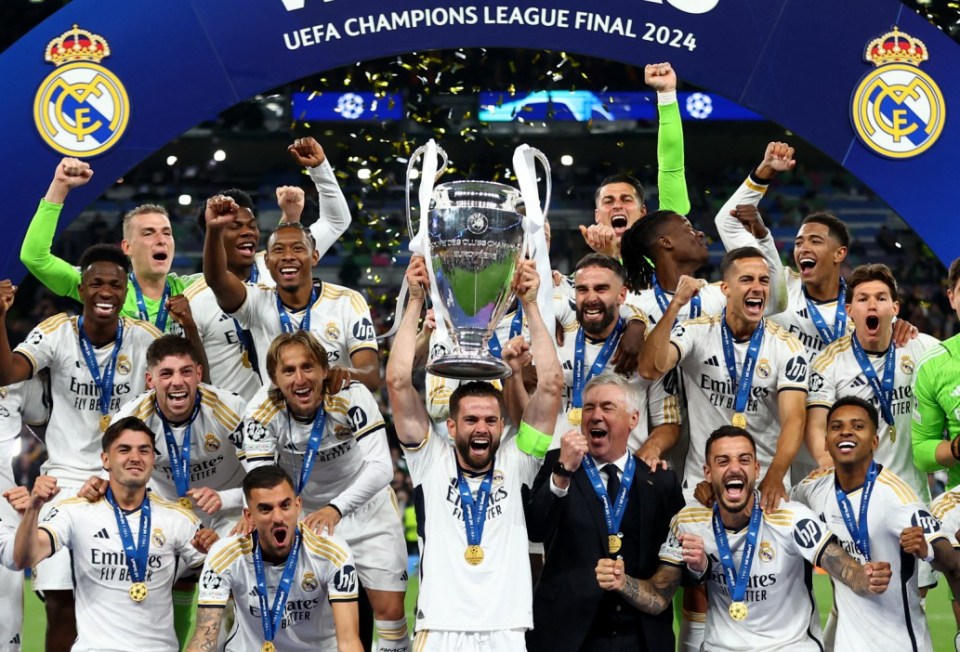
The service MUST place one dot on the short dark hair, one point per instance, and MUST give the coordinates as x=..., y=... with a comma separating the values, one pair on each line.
x=835, y=226
x=474, y=388
x=604, y=261
x=242, y=199
x=728, y=431
x=734, y=255
x=953, y=276
x=872, y=272
x=265, y=477
x=168, y=345
x=117, y=428
x=638, y=248
x=856, y=401
x=300, y=227
x=104, y=253
x=620, y=178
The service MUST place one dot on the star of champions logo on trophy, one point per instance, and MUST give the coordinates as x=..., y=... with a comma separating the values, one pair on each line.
x=81, y=108
x=897, y=110
x=473, y=234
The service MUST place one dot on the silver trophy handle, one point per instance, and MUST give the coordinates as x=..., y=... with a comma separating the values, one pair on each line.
x=545, y=162
x=417, y=153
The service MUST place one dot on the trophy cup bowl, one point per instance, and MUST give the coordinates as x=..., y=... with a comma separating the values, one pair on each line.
x=476, y=238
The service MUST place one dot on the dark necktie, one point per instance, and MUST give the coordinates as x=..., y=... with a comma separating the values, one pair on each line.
x=613, y=481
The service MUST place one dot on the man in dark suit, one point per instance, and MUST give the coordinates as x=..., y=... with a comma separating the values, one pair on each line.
x=592, y=500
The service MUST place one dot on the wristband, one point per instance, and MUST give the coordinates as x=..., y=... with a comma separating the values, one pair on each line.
x=561, y=471
x=336, y=508
x=930, y=555
x=955, y=447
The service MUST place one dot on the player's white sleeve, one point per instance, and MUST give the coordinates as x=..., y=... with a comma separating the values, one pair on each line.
x=33, y=404
x=217, y=576
x=58, y=523
x=377, y=470
x=259, y=438
x=7, y=534
x=341, y=580
x=41, y=344
x=685, y=337
x=192, y=558
x=334, y=216
x=250, y=310
x=809, y=535
x=670, y=549
x=823, y=382
x=793, y=372
x=663, y=400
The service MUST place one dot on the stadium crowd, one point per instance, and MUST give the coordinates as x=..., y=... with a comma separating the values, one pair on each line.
x=233, y=461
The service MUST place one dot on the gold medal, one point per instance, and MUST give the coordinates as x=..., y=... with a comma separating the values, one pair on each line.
x=267, y=646
x=185, y=503
x=614, y=543
x=138, y=591
x=104, y=422
x=575, y=416
x=893, y=433
x=739, y=420
x=473, y=555
x=245, y=361
x=738, y=611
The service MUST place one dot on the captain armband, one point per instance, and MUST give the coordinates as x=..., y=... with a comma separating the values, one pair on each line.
x=533, y=442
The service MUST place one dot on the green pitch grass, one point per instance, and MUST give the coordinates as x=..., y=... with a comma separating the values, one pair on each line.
x=939, y=614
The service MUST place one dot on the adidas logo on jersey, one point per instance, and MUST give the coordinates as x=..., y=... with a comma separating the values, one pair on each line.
x=712, y=361
x=567, y=364
x=102, y=534
x=859, y=381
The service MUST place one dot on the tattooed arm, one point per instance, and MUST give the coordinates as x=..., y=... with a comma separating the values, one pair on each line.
x=649, y=596
x=870, y=578
x=208, y=627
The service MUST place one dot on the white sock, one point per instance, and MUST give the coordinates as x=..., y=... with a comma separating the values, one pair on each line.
x=392, y=635
x=691, y=631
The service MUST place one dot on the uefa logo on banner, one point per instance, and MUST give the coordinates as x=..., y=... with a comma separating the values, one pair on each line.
x=81, y=108
x=897, y=110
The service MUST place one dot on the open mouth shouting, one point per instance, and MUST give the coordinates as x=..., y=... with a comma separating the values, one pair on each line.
x=872, y=325
x=178, y=400
x=480, y=445
x=281, y=536
x=807, y=265
x=619, y=224
x=734, y=488
x=753, y=307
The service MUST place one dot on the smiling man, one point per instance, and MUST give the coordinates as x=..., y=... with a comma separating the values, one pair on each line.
x=875, y=515
x=127, y=548
x=295, y=590
x=96, y=362
x=739, y=369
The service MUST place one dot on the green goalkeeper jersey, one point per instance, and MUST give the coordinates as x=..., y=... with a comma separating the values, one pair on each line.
x=63, y=279
x=936, y=406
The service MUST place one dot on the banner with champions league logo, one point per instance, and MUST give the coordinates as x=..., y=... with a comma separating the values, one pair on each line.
x=868, y=82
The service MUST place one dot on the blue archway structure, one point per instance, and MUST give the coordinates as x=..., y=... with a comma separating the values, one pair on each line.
x=797, y=62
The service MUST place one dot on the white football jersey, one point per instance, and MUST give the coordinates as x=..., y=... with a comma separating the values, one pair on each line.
x=11, y=587
x=107, y=618
x=73, y=434
x=712, y=302
x=944, y=507
x=20, y=403
x=325, y=573
x=835, y=374
x=230, y=365
x=443, y=603
x=339, y=318
x=893, y=620
x=781, y=366
x=782, y=612
x=216, y=439
x=353, y=462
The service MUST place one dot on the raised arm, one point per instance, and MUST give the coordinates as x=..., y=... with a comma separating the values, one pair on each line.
x=179, y=307
x=791, y=405
x=59, y=276
x=334, y=216
x=409, y=413
x=671, y=180
x=229, y=290
x=815, y=434
x=13, y=367
x=32, y=545
x=658, y=356
x=543, y=407
x=864, y=579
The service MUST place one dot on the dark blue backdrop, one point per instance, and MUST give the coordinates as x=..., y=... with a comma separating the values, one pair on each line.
x=796, y=62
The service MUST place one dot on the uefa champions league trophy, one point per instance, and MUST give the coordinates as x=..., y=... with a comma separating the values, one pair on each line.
x=473, y=235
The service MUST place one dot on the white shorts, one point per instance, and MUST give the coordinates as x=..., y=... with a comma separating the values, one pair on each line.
x=508, y=640
x=55, y=573
x=374, y=533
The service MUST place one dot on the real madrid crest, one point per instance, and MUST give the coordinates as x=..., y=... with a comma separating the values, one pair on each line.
x=309, y=582
x=766, y=553
x=332, y=331
x=123, y=365
x=157, y=538
x=897, y=110
x=906, y=365
x=210, y=443
x=81, y=108
x=763, y=368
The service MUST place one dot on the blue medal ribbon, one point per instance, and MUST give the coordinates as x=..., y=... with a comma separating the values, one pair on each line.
x=105, y=383
x=882, y=389
x=737, y=580
x=858, y=528
x=839, y=324
x=612, y=515
x=254, y=273
x=136, y=554
x=516, y=326
x=161, y=322
x=313, y=445
x=271, y=615
x=286, y=324
x=474, y=510
x=749, y=361
x=179, y=455
x=696, y=305
x=580, y=347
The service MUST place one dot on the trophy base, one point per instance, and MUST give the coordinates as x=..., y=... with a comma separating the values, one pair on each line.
x=470, y=367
